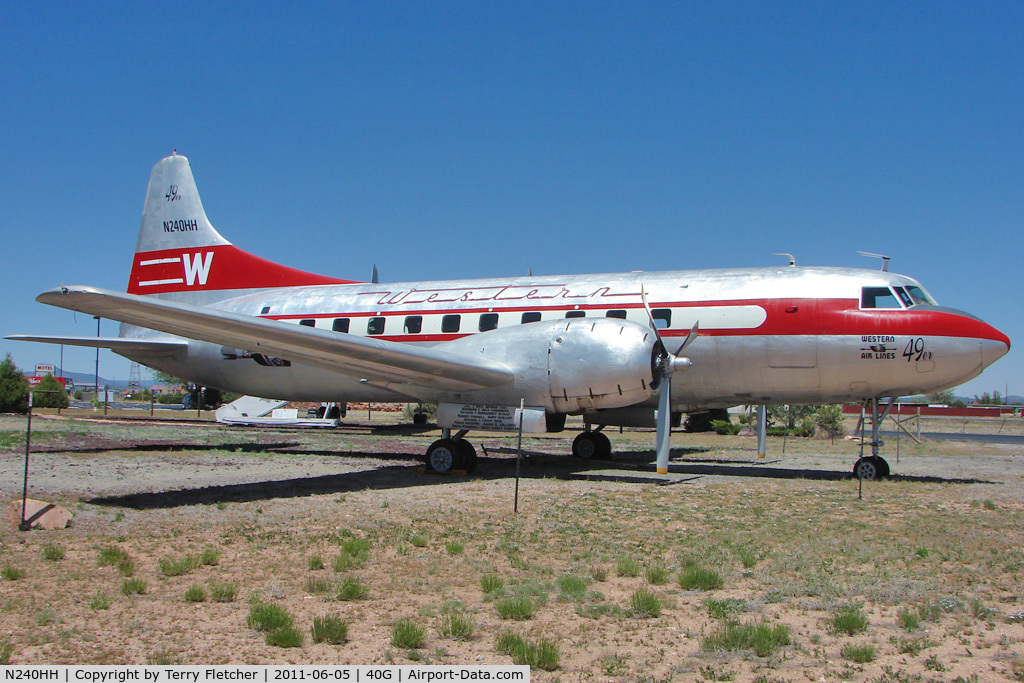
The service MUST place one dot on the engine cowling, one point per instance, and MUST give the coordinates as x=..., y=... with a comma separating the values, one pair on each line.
x=567, y=365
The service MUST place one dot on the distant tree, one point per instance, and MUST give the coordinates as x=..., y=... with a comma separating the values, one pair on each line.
x=829, y=420
x=946, y=397
x=997, y=398
x=42, y=398
x=13, y=388
x=984, y=399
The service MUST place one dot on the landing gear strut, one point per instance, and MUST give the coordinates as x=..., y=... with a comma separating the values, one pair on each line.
x=451, y=453
x=873, y=467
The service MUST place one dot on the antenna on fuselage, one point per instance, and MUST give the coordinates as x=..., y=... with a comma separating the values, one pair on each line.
x=374, y=278
x=792, y=259
x=885, y=259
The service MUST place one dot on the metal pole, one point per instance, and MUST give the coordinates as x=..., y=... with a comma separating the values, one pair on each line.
x=762, y=431
x=152, y=400
x=24, y=489
x=61, y=378
x=519, y=453
x=106, y=399
x=97, y=382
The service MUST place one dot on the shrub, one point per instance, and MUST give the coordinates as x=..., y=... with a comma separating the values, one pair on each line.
x=726, y=427
x=6, y=649
x=573, y=586
x=100, y=601
x=195, y=593
x=454, y=547
x=722, y=609
x=645, y=604
x=266, y=616
x=354, y=554
x=210, y=557
x=456, y=626
x=491, y=583
x=696, y=577
x=761, y=638
x=351, y=588
x=849, y=620
x=656, y=575
x=180, y=567
x=54, y=552
x=908, y=619
x=329, y=629
x=285, y=637
x=515, y=608
x=134, y=587
x=861, y=654
x=223, y=592
x=12, y=573
x=418, y=539
x=111, y=555
x=316, y=563
x=626, y=566
x=543, y=654
x=407, y=634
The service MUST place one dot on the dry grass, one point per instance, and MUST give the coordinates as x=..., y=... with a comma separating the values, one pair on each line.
x=790, y=553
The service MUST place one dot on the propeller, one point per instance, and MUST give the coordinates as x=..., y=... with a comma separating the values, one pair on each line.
x=667, y=364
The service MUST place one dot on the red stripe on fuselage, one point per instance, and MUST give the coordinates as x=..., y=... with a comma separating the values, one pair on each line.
x=785, y=317
x=218, y=267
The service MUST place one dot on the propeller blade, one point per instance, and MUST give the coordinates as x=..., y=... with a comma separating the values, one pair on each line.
x=694, y=331
x=664, y=426
x=650, y=317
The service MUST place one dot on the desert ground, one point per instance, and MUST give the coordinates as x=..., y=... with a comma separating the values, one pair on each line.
x=731, y=568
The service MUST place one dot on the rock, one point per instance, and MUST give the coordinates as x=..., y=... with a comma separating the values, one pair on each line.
x=39, y=514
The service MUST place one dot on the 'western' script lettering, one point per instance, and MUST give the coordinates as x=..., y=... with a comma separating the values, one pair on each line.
x=198, y=268
x=187, y=225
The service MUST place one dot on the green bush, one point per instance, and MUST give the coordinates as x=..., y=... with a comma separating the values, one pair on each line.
x=726, y=427
x=351, y=588
x=407, y=634
x=645, y=604
x=54, y=552
x=491, y=584
x=543, y=654
x=134, y=587
x=223, y=592
x=696, y=577
x=195, y=593
x=285, y=637
x=266, y=616
x=761, y=638
x=456, y=626
x=849, y=620
x=860, y=654
x=515, y=608
x=329, y=629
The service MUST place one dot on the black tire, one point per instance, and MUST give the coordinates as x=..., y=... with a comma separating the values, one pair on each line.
x=468, y=454
x=883, y=467
x=419, y=418
x=592, y=446
x=867, y=469
x=444, y=456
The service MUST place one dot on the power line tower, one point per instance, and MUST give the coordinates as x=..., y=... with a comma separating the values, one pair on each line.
x=134, y=376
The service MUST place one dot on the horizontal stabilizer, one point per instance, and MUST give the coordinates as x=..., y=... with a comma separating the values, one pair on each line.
x=373, y=360
x=116, y=344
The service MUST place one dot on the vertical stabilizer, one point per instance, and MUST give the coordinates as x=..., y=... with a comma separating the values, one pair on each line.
x=179, y=252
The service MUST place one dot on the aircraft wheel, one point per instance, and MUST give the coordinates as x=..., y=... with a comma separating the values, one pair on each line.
x=468, y=454
x=591, y=446
x=444, y=456
x=867, y=469
x=419, y=418
x=883, y=467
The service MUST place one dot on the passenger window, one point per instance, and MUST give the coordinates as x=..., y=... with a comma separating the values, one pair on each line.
x=575, y=314
x=308, y=323
x=620, y=313
x=662, y=317
x=340, y=325
x=530, y=317
x=488, y=321
x=451, y=323
x=878, y=297
x=375, y=325
x=265, y=310
x=413, y=324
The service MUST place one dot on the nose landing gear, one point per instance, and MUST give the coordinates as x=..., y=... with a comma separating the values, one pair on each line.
x=874, y=466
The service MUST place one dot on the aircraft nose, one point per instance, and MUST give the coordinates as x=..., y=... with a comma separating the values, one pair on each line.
x=994, y=349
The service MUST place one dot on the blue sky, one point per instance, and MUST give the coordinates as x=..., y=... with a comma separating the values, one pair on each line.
x=445, y=140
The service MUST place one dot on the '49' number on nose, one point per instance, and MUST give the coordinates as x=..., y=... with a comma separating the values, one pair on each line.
x=915, y=350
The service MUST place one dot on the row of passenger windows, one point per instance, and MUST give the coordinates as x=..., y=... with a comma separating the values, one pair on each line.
x=452, y=323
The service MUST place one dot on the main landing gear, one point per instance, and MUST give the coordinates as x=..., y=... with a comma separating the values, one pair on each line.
x=592, y=445
x=872, y=467
x=450, y=453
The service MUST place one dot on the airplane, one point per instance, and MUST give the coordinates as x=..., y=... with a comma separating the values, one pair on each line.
x=514, y=353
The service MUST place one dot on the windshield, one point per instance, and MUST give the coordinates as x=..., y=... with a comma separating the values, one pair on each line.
x=919, y=295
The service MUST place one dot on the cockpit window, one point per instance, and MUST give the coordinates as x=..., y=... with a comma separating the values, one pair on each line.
x=878, y=297
x=904, y=297
x=919, y=295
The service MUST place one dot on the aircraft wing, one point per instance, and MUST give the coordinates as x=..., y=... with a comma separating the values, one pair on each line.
x=157, y=347
x=374, y=360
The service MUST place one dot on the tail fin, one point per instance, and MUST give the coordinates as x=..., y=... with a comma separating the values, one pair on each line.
x=180, y=252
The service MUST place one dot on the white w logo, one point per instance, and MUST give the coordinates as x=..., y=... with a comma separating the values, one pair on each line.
x=199, y=268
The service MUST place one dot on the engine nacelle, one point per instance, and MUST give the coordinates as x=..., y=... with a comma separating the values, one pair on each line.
x=567, y=366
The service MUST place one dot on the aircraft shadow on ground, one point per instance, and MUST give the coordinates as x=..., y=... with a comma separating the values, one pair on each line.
x=629, y=470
